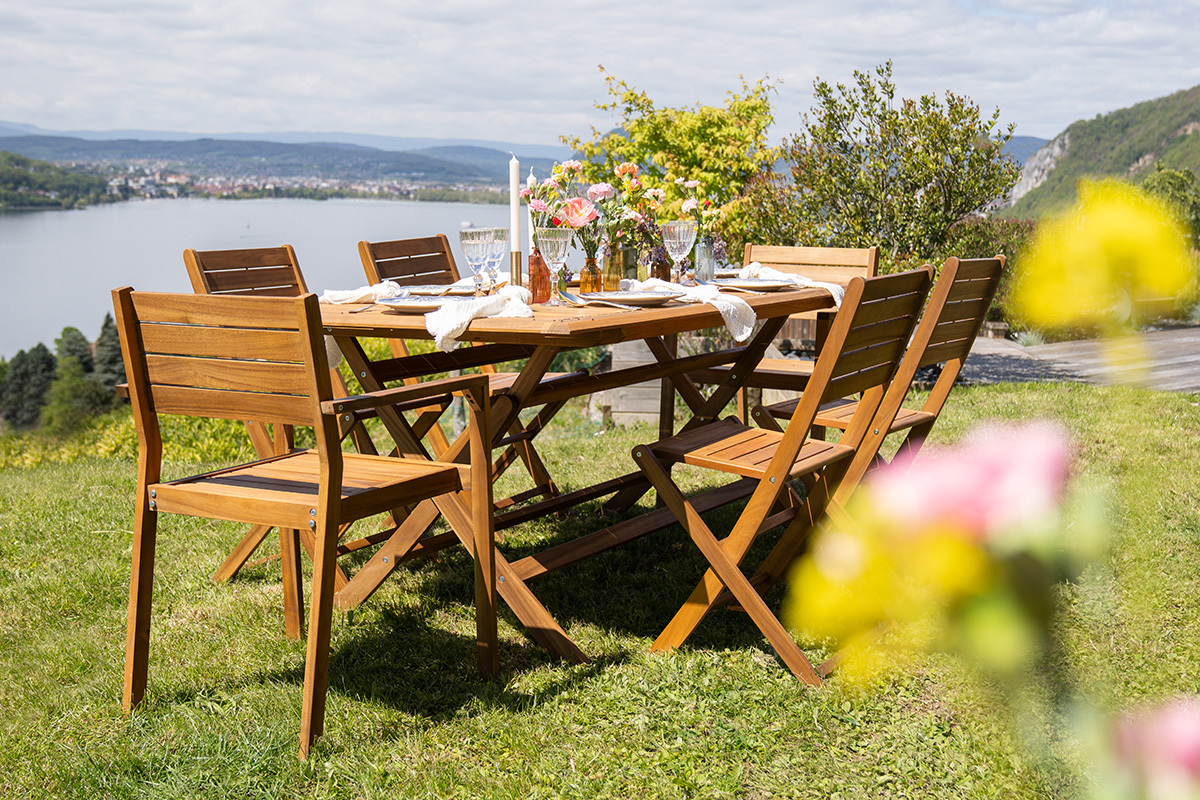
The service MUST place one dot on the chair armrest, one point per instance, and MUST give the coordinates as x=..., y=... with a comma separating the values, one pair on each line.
x=414, y=391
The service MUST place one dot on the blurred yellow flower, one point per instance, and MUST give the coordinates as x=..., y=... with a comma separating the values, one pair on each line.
x=1087, y=267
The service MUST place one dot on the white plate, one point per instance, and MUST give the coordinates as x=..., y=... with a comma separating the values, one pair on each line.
x=754, y=284
x=415, y=305
x=454, y=291
x=630, y=298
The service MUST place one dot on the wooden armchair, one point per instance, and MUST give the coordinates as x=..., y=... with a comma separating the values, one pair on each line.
x=865, y=344
x=430, y=261
x=266, y=272
x=176, y=350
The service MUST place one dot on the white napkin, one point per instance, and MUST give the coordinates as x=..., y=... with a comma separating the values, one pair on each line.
x=757, y=270
x=363, y=294
x=738, y=315
x=448, y=322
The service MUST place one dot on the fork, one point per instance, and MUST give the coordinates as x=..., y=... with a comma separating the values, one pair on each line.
x=579, y=301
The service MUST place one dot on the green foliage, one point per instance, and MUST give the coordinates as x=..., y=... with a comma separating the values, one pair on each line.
x=73, y=344
x=983, y=237
x=1122, y=144
x=73, y=398
x=721, y=147
x=109, y=363
x=29, y=183
x=869, y=173
x=25, y=386
x=1177, y=188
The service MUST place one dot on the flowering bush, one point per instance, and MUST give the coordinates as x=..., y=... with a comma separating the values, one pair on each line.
x=1157, y=753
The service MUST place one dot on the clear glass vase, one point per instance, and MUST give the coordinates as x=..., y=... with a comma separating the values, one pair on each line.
x=704, y=259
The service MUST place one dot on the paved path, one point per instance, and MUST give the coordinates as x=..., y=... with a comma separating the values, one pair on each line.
x=1172, y=357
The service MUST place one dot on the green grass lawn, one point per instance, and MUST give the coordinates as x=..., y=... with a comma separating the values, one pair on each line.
x=408, y=718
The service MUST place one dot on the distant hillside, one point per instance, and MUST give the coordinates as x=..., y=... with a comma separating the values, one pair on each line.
x=1020, y=148
x=1123, y=144
x=486, y=161
x=28, y=183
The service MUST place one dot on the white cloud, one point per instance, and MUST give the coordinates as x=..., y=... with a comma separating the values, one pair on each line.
x=527, y=72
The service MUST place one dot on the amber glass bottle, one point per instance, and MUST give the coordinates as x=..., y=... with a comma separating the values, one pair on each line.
x=539, y=277
x=590, y=277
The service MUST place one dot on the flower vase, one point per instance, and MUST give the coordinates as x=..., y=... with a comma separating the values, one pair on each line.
x=660, y=265
x=704, y=259
x=539, y=277
x=619, y=262
x=590, y=278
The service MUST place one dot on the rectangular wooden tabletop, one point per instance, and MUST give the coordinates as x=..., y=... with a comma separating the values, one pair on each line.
x=571, y=326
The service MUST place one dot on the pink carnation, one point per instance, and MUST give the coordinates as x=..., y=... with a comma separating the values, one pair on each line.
x=691, y=184
x=635, y=184
x=627, y=168
x=577, y=212
x=572, y=166
x=690, y=205
x=525, y=193
x=601, y=191
x=553, y=184
x=538, y=205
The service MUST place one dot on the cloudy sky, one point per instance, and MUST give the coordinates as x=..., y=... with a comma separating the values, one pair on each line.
x=527, y=71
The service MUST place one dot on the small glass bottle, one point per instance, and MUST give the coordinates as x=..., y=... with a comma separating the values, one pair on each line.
x=539, y=277
x=590, y=277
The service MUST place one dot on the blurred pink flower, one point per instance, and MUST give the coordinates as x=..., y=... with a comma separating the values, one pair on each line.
x=572, y=166
x=635, y=184
x=690, y=205
x=1000, y=476
x=525, y=193
x=538, y=205
x=577, y=212
x=553, y=184
x=657, y=194
x=691, y=184
x=679, y=181
x=601, y=191
x=1161, y=749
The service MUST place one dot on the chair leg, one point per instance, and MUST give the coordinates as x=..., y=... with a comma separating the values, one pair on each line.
x=293, y=585
x=141, y=588
x=316, y=660
x=245, y=548
x=726, y=570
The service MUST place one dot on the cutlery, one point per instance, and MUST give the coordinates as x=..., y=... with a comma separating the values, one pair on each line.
x=364, y=308
x=724, y=287
x=579, y=301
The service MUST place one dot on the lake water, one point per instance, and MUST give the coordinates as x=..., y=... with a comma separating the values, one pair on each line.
x=59, y=267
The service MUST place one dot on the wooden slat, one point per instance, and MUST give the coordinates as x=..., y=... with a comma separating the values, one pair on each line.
x=944, y=351
x=219, y=404
x=220, y=373
x=858, y=381
x=228, y=310
x=970, y=309
x=270, y=345
x=953, y=331
x=250, y=257
x=884, y=352
x=968, y=290
x=780, y=257
x=237, y=280
x=865, y=335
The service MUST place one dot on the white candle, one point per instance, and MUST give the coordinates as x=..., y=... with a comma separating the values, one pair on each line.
x=514, y=204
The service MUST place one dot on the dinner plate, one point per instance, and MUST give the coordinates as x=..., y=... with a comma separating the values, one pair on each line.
x=415, y=305
x=631, y=298
x=754, y=284
x=453, y=291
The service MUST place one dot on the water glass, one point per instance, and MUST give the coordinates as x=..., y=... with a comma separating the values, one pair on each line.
x=554, y=243
x=476, y=244
x=678, y=237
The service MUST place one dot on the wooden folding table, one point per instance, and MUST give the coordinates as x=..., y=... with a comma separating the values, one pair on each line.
x=538, y=340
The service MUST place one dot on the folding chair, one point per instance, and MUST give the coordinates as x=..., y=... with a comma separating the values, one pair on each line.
x=266, y=272
x=864, y=348
x=956, y=312
x=175, y=349
x=430, y=261
x=827, y=264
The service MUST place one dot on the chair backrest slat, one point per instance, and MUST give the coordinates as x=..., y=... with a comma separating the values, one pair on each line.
x=834, y=264
x=410, y=262
x=270, y=271
x=221, y=356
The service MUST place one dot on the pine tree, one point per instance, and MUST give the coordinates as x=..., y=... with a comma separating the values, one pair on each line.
x=25, y=386
x=109, y=364
x=73, y=398
x=73, y=344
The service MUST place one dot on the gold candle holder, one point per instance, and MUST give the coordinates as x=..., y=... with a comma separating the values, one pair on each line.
x=515, y=277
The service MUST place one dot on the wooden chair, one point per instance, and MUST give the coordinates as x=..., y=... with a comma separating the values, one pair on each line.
x=176, y=358
x=827, y=264
x=265, y=272
x=430, y=261
x=956, y=312
x=865, y=346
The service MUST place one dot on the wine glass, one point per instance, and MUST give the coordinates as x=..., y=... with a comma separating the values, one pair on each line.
x=554, y=243
x=476, y=243
x=496, y=251
x=678, y=237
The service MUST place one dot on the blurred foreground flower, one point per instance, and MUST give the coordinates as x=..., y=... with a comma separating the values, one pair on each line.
x=1157, y=754
x=1088, y=267
x=962, y=548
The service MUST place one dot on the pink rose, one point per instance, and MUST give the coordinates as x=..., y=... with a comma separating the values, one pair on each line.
x=538, y=205
x=601, y=191
x=577, y=212
x=690, y=205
